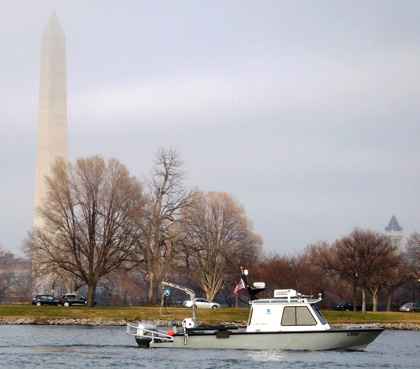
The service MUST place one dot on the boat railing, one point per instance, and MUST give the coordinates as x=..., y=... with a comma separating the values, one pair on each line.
x=154, y=335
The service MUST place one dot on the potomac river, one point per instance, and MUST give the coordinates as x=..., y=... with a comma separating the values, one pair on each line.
x=54, y=346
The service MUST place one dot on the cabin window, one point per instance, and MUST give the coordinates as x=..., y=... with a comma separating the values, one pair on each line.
x=297, y=315
x=318, y=314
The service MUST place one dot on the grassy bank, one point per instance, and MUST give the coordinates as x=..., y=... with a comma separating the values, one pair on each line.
x=337, y=317
x=214, y=316
x=211, y=316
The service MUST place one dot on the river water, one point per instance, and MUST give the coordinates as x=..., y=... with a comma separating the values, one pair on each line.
x=33, y=346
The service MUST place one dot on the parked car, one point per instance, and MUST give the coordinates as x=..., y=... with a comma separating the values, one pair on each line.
x=40, y=300
x=203, y=303
x=346, y=306
x=410, y=307
x=72, y=299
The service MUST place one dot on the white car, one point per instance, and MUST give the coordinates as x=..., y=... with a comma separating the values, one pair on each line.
x=203, y=303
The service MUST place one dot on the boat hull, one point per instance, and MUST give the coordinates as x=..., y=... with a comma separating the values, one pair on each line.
x=331, y=339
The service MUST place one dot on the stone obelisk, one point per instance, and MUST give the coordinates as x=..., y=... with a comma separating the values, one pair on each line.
x=52, y=116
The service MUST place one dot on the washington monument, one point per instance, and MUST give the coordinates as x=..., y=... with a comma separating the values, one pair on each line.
x=52, y=116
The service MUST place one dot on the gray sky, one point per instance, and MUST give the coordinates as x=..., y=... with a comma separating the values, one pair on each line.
x=306, y=111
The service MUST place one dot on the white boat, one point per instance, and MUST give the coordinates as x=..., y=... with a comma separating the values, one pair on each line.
x=289, y=321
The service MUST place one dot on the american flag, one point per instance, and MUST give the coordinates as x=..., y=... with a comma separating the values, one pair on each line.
x=239, y=286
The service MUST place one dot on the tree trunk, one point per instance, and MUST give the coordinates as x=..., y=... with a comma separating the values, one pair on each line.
x=354, y=299
x=375, y=300
x=210, y=294
x=374, y=291
x=68, y=285
x=152, y=298
x=91, y=295
x=363, y=300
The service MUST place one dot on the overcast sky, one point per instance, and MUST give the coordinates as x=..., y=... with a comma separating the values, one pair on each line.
x=306, y=111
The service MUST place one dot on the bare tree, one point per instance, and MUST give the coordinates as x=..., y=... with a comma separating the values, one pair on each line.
x=341, y=267
x=413, y=249
x=402, y=273
x=275, y=270
x=308, y=274
x=124, y=287
x=302, y=272
x=218, y=239
x=87, y=229
x=159, y=238
x=388, y=274
x=359, y=259
x=70, y=281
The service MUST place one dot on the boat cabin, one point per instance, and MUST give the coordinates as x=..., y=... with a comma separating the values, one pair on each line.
x=287, y=311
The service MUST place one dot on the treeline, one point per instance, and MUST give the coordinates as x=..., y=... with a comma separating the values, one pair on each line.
x=119, y=237
x=357, y=267
x=97, y=221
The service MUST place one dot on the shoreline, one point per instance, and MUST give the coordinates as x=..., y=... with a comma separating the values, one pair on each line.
x=161, y=323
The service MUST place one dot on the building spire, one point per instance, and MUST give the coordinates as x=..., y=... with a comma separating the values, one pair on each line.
x=395, y=233
x=52, y=112
x=53, y=27
x=52, y=122
x=393, y=225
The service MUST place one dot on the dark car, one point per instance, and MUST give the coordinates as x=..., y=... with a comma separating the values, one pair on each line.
x=347, y=306
x=410, y=307
x=72, y=299
x=40, y=300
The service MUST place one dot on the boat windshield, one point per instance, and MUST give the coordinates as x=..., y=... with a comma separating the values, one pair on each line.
x=318, y=314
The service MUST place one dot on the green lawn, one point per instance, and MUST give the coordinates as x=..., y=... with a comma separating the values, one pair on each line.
x=41, y=313
x=337, y=317
x=211, y=316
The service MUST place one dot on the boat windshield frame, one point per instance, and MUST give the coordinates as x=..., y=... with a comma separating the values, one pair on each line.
x=250, y=315
x=319, y=315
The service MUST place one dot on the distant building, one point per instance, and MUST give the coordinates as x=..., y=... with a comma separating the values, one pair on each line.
x=395, y=232
x=15, y=279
